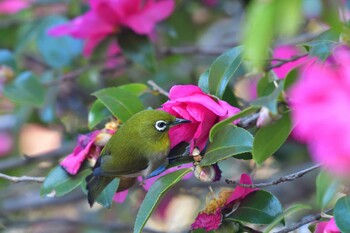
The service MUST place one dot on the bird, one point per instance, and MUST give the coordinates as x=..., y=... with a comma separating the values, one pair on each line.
x=139, y=148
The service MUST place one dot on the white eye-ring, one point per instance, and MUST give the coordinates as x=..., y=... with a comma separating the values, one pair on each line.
x=161, y=125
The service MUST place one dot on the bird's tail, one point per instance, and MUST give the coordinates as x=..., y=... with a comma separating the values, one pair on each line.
x=95, y=185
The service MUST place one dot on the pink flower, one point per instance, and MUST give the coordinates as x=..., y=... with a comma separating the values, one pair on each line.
x=241, y=192
x=89, y=147
x=321, y=111
x=211, y=217
x=107, y=17
x=13, y=6
x=327, y=227
x=6, y=143
x=287, y=52
x=208, y=222
x=120, y=197
x=190, y=102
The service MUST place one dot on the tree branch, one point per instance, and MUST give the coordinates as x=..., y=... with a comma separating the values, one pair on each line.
x=284, y=61
x=157, y=88
x=290, y=177
x=301, y=223
x=16, y=179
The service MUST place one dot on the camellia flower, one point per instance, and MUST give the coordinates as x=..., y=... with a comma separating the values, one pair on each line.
x=327, y=227
x=191, y=103
x=211, y=218
x=13, y=6
x=287, y=52
x=321, y=111
x=108, y=17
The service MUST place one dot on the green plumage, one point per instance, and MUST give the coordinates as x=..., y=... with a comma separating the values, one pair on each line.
x=138, y=148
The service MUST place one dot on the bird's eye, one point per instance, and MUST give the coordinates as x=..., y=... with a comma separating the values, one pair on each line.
x=161, y=125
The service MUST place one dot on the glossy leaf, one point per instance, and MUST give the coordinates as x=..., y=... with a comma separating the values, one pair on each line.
x=259, y=31
x=265, y=86
x=58, y=182
x=154, y=195
x=135, y=88
x=105, y=198
x=98, y=112
x=270, y=138
x=291, y=78
x=51, y=48
x=228, y=142
x=326, y=187
x=26, y=89
x=203, y=81
x=138, y=49
x=225, y=67
x=270, y=101
x=218, y=126
x=342, y=213
x=322, y=46
x=120, y=102
x=259, y=207
x=291, y=210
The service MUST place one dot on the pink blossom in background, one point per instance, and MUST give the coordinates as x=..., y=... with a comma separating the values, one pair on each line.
x=191, y=103
x=89, y=146
x=13, y=6
x=106, y=18
x=321, y=110
x=241, y=192
x=327, y=227
x=287, y=52
x=120, y=197
x=6, y=143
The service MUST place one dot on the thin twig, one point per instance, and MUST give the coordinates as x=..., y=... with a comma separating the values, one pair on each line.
x=17, y=179
x=192, y=50
x=301, y=223
x=290, y=177
x=285, y=61
x=157, y=88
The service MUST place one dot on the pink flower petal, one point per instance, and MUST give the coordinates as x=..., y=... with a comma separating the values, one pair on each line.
x=241, y=192
x=13, y=6
x=6, y=143
x=208, y=222
x=120, y=197
x=331, y=227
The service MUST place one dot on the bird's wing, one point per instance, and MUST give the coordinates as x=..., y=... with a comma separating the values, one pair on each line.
x=109, y=165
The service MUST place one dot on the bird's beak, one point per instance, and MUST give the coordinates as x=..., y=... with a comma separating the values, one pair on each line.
x=180, y=121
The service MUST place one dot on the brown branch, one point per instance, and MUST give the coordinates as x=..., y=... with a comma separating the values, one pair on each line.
x=192, y=50
x=290, y=177
x=285, y=61
x=303, y=222
x=16, y=179
x=157, y=88
x=26, y=160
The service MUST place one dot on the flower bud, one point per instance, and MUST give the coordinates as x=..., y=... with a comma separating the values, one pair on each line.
x=102, y=138
x=266, y=117
x=208, y=173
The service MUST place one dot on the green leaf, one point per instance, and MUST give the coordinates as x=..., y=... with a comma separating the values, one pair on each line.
x=7, y=58
x=291, y=210
x=228, y=142
x=291, y=78
x=154, y=194
x=135, y=88
x=105, y=198
x=58, y=182
x=98, y=112
x=326, y=187
x=270, y=138
x=289, y=15
x=120, y=101
x=26, y=89
x=51, y=48
x=265, y=86
x=342, y=213
x=226, y=66
x=203, y=81
x=323, y=45
x=258, y=31
x=259, y=207
x=138, y=49
x=270, y=101
x=218, y=126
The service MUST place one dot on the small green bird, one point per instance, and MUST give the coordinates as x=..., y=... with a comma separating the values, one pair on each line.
x=139, y=147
